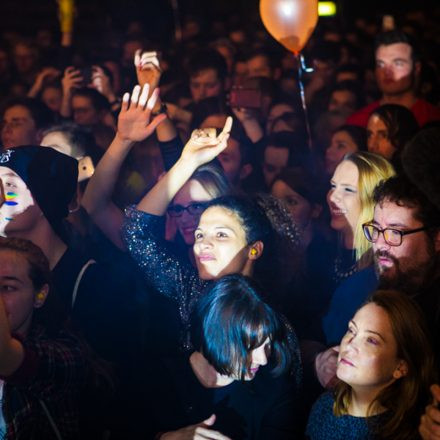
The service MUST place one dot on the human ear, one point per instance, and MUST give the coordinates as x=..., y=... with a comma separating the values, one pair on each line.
x=40, y=297
x=401, y=370
x=255, y=250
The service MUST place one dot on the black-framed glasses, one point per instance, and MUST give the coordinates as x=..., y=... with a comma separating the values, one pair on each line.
x=195, y=208
x=391, y=236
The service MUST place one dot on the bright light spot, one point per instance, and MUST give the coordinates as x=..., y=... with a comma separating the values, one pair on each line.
x=288, y=8
x=326, y=9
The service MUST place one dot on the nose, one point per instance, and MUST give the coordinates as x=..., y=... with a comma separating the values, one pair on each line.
x=259, y=356
x=333, y=195
x=380, y=243
x=372, y=143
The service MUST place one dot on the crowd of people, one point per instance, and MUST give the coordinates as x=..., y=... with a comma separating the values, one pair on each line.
x=189, y=251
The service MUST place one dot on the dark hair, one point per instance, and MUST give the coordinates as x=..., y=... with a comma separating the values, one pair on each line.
x=207, y=59
x=401, y=191
x=98, y=100
x=353, y=87
x=231, y=320
x=406, y=397
x=265, y=219
x=357, y=133
x=297, y=144
x=41, y=114
x=267, y=53
x=397, y=36
x=400, y=122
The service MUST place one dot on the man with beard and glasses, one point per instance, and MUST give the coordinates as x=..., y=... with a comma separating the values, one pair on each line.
x=405, y=236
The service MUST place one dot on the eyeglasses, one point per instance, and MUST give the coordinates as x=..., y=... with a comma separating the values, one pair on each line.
x=192, y=208
x=391, y=236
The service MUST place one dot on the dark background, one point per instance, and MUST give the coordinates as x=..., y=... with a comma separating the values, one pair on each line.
x=25, y=16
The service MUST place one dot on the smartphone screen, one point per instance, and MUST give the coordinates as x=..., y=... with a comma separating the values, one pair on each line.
x=241, y=97
x=85, y=168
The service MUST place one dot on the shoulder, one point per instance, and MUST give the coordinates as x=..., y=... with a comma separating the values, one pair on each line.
x=361, y=116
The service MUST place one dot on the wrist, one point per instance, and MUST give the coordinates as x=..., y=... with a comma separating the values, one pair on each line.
x=123, y=141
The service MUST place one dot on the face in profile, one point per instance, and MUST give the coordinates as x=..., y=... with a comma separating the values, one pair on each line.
x=220, y=245
x=343, y=198
x=341, y=144
x=17, y=291
x=368, y=357
x=18, y=212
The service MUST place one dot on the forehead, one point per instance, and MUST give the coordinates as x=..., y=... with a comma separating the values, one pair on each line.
x=346, y=172
x=205, y=75
x=8, y=172
x=395, y=50
x=259, y=60
x=81, y=101
x=342, y=136
x=17, y=111
x=216, y=215
x=13, y=264
x=190, y=192
x=376, y=122
x=343, y=95
x=275, y=155
x=373, y=317
x=389, y=212
x=215, y=121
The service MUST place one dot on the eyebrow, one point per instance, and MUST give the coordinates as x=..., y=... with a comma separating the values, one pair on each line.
x=10, y=278
x=392, y=225
x=370, y=331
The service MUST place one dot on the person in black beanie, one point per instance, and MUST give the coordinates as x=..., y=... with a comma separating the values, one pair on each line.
x=37, y=184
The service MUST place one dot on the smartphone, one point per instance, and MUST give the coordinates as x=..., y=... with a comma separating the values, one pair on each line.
x=85, y=168
x=86, y=73
x=242, y=97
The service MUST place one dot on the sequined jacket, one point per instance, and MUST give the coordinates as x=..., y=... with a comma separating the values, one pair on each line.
x=48, y=381
x=166, y=271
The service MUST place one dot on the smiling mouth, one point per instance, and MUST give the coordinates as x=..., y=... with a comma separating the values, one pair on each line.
x=346, y=362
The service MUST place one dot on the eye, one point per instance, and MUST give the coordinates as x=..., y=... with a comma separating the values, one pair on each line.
x=350, y=330
x=332, y=185
x=291, y=201
x=7, y=288
x=221, y=234
x=198, y=235
x=373, y=341
x=351, y=190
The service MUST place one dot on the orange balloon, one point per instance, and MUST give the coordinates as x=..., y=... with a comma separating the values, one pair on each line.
x=290, y=22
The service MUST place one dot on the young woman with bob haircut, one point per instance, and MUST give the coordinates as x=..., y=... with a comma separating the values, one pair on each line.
x=240, y=382
x=385, y=367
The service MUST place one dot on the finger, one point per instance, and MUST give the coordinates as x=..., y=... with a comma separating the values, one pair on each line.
x=226, y=129
x=204, y=433
x=210, y=420
x=155, y=122
x=125, y=101
x=435, y=390
x=144, y=95
x=153, y=99
x=135, y=94
x=137, y=57
x=433, y=414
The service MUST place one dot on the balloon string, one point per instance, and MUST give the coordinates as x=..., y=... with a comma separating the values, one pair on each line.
x=302, y=68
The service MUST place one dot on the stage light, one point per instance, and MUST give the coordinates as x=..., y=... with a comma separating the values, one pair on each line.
x=327, y=9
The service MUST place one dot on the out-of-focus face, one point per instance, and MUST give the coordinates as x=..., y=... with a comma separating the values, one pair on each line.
x=205, y=84
x=259, y=66
x=24, y=58
x=341, y=144
x=84, y=113
x=18, y=127
x=395, y=68
x=275, y=112
x=18, y=212
x=300, y=208
x=220, y=245
x=52, y=97
x=368, y=352
x=342, y=100
x=378, y=140
x=409, y=263
x=191, y=193
x=275, y=160
x=17, y=291
x=128, y=51
x=343, y=198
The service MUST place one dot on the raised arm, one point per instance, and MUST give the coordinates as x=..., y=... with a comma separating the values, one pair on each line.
x=133, y=126
x=202, y=147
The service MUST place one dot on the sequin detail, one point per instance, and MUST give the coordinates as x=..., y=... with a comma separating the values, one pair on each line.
x=163, y=269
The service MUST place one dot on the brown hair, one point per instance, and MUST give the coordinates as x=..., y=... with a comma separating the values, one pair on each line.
x=406, y=397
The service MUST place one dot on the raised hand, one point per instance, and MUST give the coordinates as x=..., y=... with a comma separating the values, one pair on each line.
x=204, y=145
x=326, y=364
x=147, y=69
x=101, y=82
x=430, y=423
x=196, y=432
x=134, y=119
x=72, y=79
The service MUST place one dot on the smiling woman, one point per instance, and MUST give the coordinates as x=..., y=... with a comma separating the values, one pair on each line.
x=385, y=366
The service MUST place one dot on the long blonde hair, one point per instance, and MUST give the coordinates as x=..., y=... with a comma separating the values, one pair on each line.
x=372, y=169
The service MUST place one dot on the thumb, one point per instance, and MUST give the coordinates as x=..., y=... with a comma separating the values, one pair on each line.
x=435, y=390
x=209, y=421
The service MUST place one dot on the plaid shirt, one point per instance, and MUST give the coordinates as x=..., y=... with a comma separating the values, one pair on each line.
x=54, y=372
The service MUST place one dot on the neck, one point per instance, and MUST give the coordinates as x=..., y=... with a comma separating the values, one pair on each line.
x=307, y=235
x=45, y=238
x=207, y=375
x=348, y=239
x=407, y=99
x=361, y=400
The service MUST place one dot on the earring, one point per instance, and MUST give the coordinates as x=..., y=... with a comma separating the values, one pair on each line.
x=40, y=296
x=253, y=252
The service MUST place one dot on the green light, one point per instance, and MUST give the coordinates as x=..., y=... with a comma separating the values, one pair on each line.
x=326, y=9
